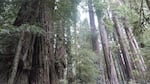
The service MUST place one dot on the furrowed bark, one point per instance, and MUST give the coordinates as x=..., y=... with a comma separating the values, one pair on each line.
x=43, y=67
x=43, y=70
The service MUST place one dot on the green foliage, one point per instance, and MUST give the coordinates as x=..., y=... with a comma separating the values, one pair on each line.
x=100, y=7
x=146, y=51
x=25, y=27
x=67, y=10
x=84, y=59
x=86, y=71
x=108, y=25
x=31, y=28
x=137, y=16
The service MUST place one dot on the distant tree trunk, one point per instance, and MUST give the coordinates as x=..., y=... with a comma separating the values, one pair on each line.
x=123, y=49
x=135, y=50
x=134, y=45
x=120, y=60
x=94, y=37
x=110, y=67
x=43, y=70
x=95, y=44
x=60, y=49
x=70, y=76
x=114, y=77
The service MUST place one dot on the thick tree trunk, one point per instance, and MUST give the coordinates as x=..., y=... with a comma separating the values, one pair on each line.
x=43, y=67
x=43, y=70
x=123, y=49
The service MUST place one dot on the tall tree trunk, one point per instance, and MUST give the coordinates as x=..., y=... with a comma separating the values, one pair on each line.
x=94, y=37
x=110, y=67
x=43, y=65
x=70, y=76
x=133, y=43
x=123, y=49
x=120, y=58
x=60, y=49
x=134, y=48
x=114, y=77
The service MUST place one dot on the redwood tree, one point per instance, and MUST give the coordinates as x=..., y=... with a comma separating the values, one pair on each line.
x=43, y=69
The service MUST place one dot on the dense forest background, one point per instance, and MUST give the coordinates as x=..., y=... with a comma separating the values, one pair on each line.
x=74, y=42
